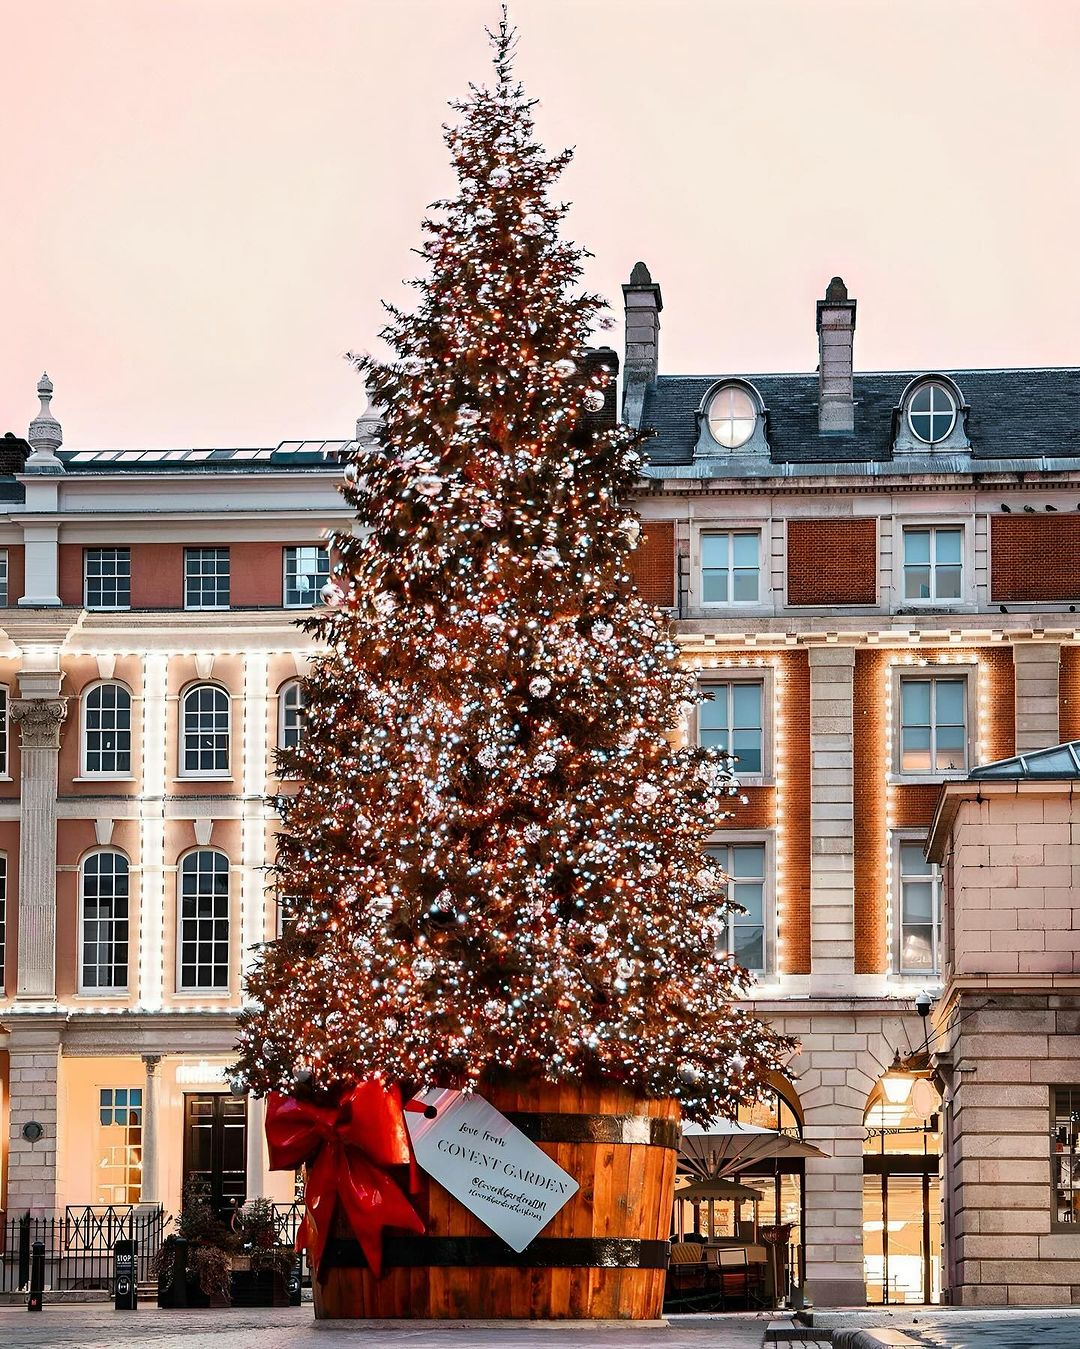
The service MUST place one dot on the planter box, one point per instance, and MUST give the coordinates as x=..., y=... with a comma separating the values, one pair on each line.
x=603, y=1256
x=179, y=1287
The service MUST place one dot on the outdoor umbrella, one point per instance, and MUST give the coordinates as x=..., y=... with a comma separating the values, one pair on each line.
x=724, y=1147
x=700, y=1190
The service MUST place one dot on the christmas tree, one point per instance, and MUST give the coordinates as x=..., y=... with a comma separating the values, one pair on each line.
x=494, y=858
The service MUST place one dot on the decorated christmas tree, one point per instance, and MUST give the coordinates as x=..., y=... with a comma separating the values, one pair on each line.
x=494, y=858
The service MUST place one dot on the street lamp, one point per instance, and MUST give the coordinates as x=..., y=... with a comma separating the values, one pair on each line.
x=897, y=1082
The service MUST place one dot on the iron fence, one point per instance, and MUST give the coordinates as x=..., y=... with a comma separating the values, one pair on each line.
x=79, y=1244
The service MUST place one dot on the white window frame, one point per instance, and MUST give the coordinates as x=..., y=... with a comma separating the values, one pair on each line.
x=105, y=608
x=220, y=774
x=130, y=1164
x=102, y=990
x=203, y=990
x=756, y=531
x=84, y=748
x=284, y=710
x=188, y=557
x=734, y=838
x=906, y=838
x=757, y=674
x=296, y=548
x=970, y=675
x=950, y=394
x=5, y=579
x=933, y=528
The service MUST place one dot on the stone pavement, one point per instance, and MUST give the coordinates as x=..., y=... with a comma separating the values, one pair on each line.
x=98, y=1326
x=993, y=1328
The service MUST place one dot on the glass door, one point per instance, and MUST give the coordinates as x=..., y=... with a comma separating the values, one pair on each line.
x=215, y=1147
x=901, y=1251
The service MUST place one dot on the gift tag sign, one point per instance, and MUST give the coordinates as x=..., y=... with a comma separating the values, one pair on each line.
x=487, y=1164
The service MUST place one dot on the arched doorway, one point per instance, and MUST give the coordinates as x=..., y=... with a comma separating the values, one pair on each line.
x=901, y=1192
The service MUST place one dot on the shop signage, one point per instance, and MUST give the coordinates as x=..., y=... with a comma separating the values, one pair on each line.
x=487, y=1163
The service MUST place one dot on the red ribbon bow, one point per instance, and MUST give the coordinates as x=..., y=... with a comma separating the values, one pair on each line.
x=346, y=1148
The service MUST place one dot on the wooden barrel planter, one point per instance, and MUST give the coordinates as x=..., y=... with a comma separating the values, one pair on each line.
x=603, y=1256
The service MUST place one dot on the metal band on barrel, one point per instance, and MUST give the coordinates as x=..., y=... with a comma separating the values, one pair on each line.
x=474, y=1252
x=647, y=1130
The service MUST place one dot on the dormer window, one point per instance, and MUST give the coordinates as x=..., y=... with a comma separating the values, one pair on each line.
x=732, y=416
x=931, y=412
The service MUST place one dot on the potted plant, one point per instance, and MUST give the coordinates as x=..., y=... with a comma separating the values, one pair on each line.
x=211, y=1263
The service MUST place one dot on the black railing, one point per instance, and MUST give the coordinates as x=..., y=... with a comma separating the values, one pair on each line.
x=79, y=1245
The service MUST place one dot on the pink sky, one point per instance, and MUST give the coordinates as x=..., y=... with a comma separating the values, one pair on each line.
x=205, y=200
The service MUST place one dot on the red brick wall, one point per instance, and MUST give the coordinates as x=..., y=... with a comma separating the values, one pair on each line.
x=997, y=665
x=71, y=573
x=1069, y=693
x=652, y=563
x=1034, y=557
x=16, y=572
x=157, y=576
x=256, y=575
x=832, y=561
x=795, y=908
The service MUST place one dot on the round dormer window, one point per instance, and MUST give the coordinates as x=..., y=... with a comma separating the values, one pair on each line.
x=732, y=416
x=931, y=412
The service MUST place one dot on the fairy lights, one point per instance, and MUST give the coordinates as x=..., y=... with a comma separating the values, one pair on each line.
x=495, y=852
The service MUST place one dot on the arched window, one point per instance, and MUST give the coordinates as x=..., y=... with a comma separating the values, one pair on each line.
x=204, y=732
x=203, y=937
x=103, y=893
x=3, y=730
x=291, y=704
x=107, y=730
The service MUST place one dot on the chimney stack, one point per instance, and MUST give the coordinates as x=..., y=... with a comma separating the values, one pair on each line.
x=836, y=336
x=643, y=303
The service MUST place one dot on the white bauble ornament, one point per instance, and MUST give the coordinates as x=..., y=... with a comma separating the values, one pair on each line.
x=533, y=833
x=384, y=604
x=491, y=517
x=738, y=1063
x=544, y=763
x=533, y=223
x=493, y=1009
x=601, y=631
x=499, y=177
x=467, y=416
x=709, y=880
x=332, y=595
x=624, y=968
x=594, y=401
x=631, y=527
x=488, y=757
x=548, y=557
x=423, y=967
x=493, y=622
x=430, y=485
x=688, y=1075
x=564, y=368
x=599, y=934
x=390, y=1025
x=646, y=793
x=540, y=686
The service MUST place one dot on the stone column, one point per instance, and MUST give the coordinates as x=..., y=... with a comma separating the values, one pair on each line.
x=34, y=1051
x=832, y=817
x=256, y=1149
x=39, y=719
x=151, y=1193
x=1036, y=666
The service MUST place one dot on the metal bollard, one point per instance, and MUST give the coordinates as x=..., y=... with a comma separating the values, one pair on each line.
x=37, y=1277
x=125, y=1276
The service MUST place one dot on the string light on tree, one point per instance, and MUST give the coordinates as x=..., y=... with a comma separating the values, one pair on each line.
x=495, y=852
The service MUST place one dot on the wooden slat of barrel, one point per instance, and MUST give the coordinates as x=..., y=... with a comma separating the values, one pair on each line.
x=626, y=1192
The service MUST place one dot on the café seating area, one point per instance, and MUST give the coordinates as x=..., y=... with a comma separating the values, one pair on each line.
x=715, y=1277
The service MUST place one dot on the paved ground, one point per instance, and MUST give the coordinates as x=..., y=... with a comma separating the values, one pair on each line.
x=100, y=1327
x=1011, y=1328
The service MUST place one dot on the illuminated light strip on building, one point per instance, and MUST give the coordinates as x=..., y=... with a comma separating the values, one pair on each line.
x=982, y=713
x=712, y=663
x=152, y=900
x=253, y=774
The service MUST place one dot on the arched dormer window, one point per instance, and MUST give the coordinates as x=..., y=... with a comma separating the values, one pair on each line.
x=931, y=416
x=106, y=725
x=731, y=421
x=204, y=732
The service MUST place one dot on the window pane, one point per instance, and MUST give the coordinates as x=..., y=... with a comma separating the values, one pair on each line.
x=948, y=543
x=307, y=569
x=746, y=746
x=950, y=701
x=748, y=860
x=915, y=702
x=916, y=950
x=714, y=587
x=948, y=583
x=746, y=701
x=916, y=583
x=912, y=861
x=750, y=947
x=915, y=751
x=918, y=902
x=917, y=546
x=745, y=550
x=745, y=587
x=714, y=550
x=206, y=578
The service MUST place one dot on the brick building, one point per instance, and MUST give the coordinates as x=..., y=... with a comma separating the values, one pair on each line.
x=875, y=577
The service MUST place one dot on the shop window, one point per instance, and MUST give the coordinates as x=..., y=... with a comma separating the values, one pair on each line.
x=104, y=899
x=107, y=731
x=203, y=946
x=1065, y=1158
x=118, y=1174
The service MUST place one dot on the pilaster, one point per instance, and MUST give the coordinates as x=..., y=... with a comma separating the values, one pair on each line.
x=832, y=816
x=1036, y=666
x=34, y=1051
x=151, y=1193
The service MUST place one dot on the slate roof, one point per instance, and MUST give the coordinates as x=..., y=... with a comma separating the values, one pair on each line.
x=1059, y=761
x=1013, y=415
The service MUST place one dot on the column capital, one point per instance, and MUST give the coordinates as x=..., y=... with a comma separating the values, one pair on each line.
x=39, y=719
x=150, y=1063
